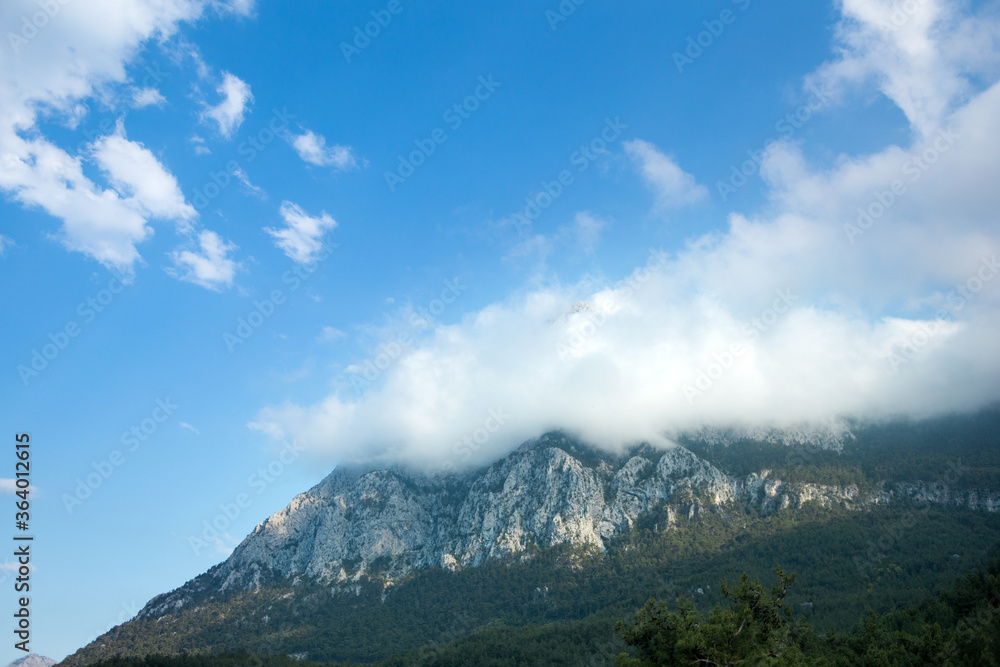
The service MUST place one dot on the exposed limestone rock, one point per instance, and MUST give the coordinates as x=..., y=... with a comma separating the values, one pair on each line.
x=385, y=523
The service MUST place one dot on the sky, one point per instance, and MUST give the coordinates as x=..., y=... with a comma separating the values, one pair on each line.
x=244, y=241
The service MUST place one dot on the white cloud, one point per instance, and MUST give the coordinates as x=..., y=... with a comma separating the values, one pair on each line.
x=900, y=319
x=5, y=242
x=330, y=333
x=238, y=7
x=921, y=55
x=10, y=487
x=312, y=148
x=301, y=238
x=76, y=58
x=199, y=145
x=256, y=191
x=210, y=267
x=532, y=250
x=141, y=179
x=146, y=97
x=587, y=229
x=188, y=427
x=228, y=114
x=674, y=188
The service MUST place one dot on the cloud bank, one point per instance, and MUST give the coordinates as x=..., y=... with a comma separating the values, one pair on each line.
x=869, y=289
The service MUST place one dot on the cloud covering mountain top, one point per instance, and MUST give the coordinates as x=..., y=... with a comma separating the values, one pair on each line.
x=868, y=289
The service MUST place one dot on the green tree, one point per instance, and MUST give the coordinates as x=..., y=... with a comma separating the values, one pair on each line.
x=750, y=631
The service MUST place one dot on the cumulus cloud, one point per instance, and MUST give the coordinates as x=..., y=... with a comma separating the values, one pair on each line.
x=870, y=288
x=147, y=97
x=312, y=148
x=210, y=266
x=45, y=74
x=140, y=178
x=301, y=237
x=674, y=187
x=921, y=55
x=236, y=98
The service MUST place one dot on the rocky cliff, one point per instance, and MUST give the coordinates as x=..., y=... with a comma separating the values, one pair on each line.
x=383, y=524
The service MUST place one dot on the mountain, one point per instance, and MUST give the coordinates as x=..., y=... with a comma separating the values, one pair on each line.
x=373, y=548
x=33, y=660
x=388, y=523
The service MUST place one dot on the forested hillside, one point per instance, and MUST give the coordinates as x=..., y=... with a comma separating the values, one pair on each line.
x=958, y=626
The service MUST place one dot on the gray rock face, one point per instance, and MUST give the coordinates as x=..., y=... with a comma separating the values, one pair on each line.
x=383, y=524
x=33, y=660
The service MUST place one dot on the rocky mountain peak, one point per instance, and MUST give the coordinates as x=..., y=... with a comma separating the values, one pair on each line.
x=382, y=524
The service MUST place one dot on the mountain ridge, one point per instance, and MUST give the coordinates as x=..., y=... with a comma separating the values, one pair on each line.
x=33, y=660
x=366, y=537
x=387, y=523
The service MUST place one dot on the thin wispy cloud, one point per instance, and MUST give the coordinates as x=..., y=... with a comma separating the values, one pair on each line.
x=674, y=188
x=330, y=333
x=312, y=148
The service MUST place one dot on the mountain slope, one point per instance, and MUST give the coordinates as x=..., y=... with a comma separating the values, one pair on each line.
x=33, y=660
x=388, y=523
x=373, y=537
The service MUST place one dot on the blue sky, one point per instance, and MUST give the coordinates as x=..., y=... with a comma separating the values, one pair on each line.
x=168, y=169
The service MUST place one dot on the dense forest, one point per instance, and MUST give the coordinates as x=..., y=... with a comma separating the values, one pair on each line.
x=754, y=625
